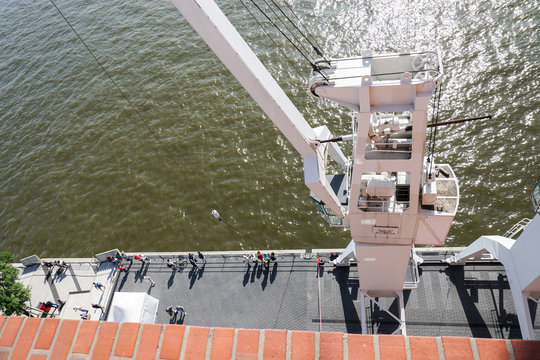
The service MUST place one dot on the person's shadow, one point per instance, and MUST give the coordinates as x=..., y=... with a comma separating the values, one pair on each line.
x=201, y=271
x=246, y=276
x=274, y=273
x=171, y=280
x=178, y=317
x=193, y=276
x=264, y=282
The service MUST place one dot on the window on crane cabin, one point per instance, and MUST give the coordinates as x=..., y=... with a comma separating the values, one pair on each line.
x=389, y=136
x=385, y=192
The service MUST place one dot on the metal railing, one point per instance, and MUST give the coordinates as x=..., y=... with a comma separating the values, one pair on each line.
x=420, y=73
x=517, y=228
x=392, y=206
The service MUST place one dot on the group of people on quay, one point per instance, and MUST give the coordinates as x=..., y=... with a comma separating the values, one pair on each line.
x=122, y=262
x=50, y=265
x=262, y=257
x=84, y=312
x=171, y=263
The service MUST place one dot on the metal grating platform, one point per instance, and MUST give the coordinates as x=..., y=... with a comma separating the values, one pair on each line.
x=472, y=300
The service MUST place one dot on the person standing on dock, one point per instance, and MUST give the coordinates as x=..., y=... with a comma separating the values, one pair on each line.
x=126, y=257
x=99, y=286
x=171, y=264
x=247, y=260
x=192, y=261
x=60, y=303
x=152, y=282
x=201, y=257
x=180, y=309
x=142, y=258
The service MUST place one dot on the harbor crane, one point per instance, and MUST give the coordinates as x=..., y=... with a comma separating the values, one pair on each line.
x=388, y=192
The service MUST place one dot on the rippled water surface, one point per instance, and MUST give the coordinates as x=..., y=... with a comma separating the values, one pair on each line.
x=80, y=172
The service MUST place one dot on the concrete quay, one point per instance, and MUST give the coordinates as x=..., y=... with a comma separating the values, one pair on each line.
x=293, y=294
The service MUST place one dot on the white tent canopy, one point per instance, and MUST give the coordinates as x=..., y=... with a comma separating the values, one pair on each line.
x=133, y=307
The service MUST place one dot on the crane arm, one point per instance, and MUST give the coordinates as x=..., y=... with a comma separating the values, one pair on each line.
x=223, y=39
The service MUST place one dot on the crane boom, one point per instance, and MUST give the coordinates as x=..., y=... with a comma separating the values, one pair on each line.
x=222, y=38
x=389, y=193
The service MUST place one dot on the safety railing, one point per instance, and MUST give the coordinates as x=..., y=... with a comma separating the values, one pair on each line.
x=517, y=228
x=391, y=206
x=423, y=66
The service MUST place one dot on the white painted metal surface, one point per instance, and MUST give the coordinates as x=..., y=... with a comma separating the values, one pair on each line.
x=382, y=188
x=520, y=260
x=223, y=39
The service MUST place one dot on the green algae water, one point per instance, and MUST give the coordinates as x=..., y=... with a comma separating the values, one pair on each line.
x=81, y=173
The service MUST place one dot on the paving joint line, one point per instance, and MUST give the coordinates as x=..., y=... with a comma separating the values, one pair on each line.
x=184, y=342
x=288, y=353
x=209, y=343
x=138, y=341
x=510, y=349
x=94, y=339
x=116, y=336
x=160, y=341
x=234, y=344
x=260, y=353
x=474, y=349
x=56, y=334
x=77, y=330
x=407, y=348
x=317, y=345
x=345, y=346
x=19, y=332
x=440, y=348
x=376, y=347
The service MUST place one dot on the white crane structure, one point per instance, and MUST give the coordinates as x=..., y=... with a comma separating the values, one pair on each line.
x=387, y=192
x=520, y=260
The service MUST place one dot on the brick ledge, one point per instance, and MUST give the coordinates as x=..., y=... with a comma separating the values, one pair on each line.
x=33, y=338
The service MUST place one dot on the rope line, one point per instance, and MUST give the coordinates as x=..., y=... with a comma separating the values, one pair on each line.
x=271, y=39
x=313, y=66
x=146, y=123
x=317, y=47
x=118, y=88
x=297, y=29
x=286, y=27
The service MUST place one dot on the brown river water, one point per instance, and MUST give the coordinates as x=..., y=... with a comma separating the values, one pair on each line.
x=81, y=173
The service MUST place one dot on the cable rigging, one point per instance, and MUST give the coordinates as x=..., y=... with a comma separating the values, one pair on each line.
x=124, y=96
x=311, y=62
x=315, y=48
x=433, y=133
x=315, y=45
x=117, y=87
x=286, y=27
x=271, y=39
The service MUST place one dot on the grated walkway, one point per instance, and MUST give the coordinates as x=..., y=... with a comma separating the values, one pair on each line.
x=468, y=301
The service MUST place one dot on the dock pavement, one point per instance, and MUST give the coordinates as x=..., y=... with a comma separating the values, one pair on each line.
x=293, y=293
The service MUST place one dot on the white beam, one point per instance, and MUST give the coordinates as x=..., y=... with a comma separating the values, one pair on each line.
x=223, y=39
x=363, y=311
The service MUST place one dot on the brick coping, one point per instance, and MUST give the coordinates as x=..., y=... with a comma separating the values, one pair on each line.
x=35, y=338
